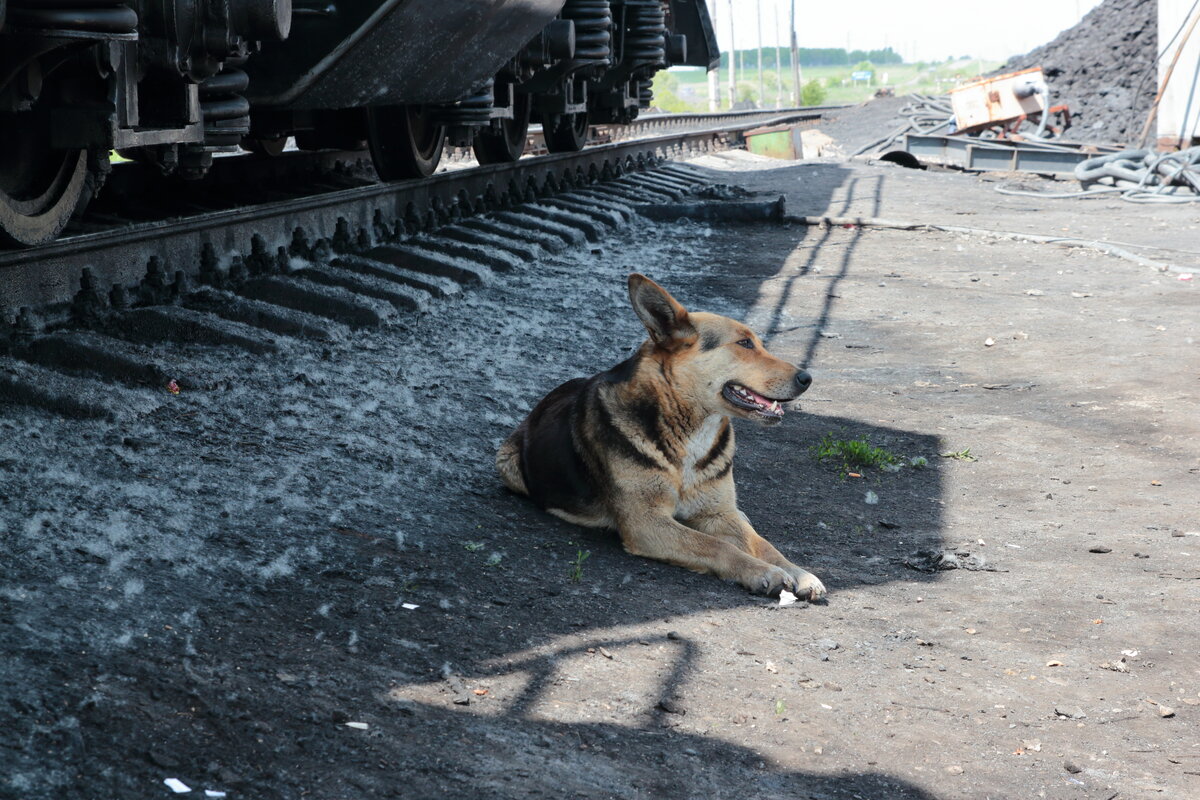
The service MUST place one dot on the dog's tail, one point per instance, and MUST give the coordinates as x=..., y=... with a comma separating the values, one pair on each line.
x=508, y=461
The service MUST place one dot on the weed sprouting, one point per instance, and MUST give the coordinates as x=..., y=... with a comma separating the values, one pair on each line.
x=854, y=453
x=577, y=565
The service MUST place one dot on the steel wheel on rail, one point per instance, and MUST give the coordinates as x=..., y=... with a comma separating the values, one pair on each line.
x=405, y=141
x=567, y=134
x=40, y=187
x=507, y=144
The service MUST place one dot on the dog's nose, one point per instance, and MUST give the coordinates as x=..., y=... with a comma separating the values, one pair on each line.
x=803, y=381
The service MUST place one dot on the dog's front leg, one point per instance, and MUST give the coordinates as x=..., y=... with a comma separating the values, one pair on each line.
x=654, y=533
x=732, y=525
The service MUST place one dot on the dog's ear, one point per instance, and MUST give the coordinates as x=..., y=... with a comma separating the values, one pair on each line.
x=665, y=319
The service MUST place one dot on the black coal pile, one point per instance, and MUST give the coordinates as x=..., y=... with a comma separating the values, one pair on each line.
x=1098, y=68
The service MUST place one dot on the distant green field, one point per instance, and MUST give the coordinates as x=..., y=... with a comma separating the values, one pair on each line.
x=686, y=89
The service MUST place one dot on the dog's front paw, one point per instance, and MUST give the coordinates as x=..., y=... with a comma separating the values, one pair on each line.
x=807, y=585
x=770, y=581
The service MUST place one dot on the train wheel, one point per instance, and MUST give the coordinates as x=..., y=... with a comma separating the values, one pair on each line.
x=508, y=144
x=40, y=188
x=568, y=134
x=405, y=141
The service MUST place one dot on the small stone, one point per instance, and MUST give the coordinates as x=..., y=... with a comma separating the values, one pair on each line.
x=1165, y=711
x=1076, y=714
x=673, y=635
x=1099, y=549
x=833, y=687
x=988, y=342
x=826, y=644
x=954, y=769
x=671, y=707
x=1072, y=768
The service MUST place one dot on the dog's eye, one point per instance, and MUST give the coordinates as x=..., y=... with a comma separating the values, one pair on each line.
x=747, y=343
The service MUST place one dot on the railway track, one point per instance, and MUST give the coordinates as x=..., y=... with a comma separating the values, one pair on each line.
x=337, y=254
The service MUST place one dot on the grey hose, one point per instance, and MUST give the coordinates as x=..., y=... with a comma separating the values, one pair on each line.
x=1137, y=176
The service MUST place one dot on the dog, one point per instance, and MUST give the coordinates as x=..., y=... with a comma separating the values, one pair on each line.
x=647, y=446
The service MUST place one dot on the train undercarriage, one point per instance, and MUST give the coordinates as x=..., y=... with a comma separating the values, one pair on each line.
x=171, y=83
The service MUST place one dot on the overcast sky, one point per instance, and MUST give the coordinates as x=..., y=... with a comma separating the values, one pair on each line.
x=920, y=30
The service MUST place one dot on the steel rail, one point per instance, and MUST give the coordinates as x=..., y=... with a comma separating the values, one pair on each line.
x=49, y=277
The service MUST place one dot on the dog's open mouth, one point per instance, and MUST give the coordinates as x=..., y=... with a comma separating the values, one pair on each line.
x=750, y=400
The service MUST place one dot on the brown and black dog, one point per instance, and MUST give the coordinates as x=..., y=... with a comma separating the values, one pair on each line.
x=647, y=447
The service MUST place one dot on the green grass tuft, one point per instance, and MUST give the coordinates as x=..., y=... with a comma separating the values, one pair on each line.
x=854, y=454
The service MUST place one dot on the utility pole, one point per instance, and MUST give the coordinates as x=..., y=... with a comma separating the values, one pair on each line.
x=795, y=61
x=714, y=77
x=762, y=100
x=778, y=60
x=732, y=60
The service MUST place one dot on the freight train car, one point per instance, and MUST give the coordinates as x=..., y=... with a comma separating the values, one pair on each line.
x=169, y=83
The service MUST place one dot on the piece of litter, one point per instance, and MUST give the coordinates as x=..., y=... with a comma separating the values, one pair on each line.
x=358, y=726
x=1187, y=276
x=1054, y=663
x=988, y=342
x=786, y=598
x=871, y=498
x=605, y=653
x=409, y=606
x=853, y=475
x=172, y=386
x=177, y=786
x=213, y=793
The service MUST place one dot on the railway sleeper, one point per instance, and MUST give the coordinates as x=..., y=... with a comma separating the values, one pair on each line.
x=477, y=238
x=330, y=302
x=435, y=248
x=593, y=231
x=69, y=395
x=605, y=216
x=656, y=193
x=625, y=194
x=435, y=285
x=597, y=200
x=670, y=181
x=95, y=354
x=404, y=298
x=418, y=260
x=517, y=232
x=523, y=217
x=268, y=316
x=641, y=182
x=152, y=324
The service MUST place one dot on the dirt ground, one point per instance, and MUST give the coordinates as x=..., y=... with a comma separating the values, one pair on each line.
x=302, y=579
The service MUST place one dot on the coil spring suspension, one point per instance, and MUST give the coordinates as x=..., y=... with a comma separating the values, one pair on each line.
x=226, y=113
x=645, y=92
x=473, y=110
x=593, y=28
x=103, y=17
x=645, y=31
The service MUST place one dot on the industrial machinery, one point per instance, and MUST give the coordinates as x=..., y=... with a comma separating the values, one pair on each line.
x=169, y=83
